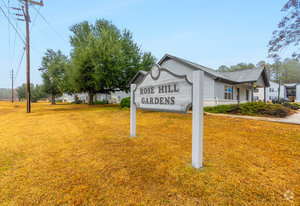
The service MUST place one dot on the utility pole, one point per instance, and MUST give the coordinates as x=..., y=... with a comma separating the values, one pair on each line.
x=27, y=19
x=12, y=86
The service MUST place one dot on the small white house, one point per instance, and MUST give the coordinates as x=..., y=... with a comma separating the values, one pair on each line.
x=219, y=87
x=271, y=92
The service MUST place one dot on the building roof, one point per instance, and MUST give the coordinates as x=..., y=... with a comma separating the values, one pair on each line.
x=242, y=76
x=235, y=77
x=247, y=75
x=291, y=84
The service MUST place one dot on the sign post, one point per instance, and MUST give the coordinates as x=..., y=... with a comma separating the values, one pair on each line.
x=197, y=139
x=162, y=90
x=132, y=112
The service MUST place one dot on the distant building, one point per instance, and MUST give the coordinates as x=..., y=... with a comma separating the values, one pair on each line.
x=271, y=92
x=293, y=92
x=114, y=97
x=290, y=91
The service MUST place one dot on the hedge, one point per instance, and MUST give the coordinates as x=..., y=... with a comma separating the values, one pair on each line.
x=251, y=108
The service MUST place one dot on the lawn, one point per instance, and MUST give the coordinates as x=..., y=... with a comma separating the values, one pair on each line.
x=76, y=154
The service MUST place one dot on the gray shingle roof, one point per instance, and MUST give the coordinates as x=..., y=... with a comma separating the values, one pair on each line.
x=248, y=75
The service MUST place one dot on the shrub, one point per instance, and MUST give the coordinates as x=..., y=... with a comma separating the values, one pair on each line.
x=219, y=109
x=251, y=108
x=102, y=102
x=125, y=102
x=292, y=105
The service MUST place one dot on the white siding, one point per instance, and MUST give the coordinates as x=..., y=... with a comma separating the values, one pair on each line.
x=271, y=92
x=297, y=93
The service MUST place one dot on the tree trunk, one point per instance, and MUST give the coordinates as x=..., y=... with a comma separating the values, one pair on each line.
x=53, y=98
x=91, y=96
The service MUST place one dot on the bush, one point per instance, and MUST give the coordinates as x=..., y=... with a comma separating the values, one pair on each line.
x=251, y=108
x=292, y=106
x=125, y=102
x=102, y=102
x=219, y=109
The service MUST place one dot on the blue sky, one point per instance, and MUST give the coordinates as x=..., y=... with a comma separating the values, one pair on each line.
x=211, y=33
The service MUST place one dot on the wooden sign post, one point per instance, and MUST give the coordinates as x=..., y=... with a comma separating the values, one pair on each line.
x=162, y=90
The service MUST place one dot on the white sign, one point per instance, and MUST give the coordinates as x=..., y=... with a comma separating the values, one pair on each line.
x=162, y=90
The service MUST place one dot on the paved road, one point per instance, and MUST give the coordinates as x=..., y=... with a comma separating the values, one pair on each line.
x=293, y=119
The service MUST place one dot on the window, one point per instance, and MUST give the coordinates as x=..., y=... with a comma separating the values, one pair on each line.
x=247, y=95
x=255, y=97
x=271, y=89
x=256, y=90
x=227, y=92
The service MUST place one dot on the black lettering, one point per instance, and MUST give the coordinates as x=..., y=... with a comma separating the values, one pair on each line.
x=166, y=88
x=143, y=100
x=167, y=100
x=172, y=100
x=151, y=100
x=141, y=91
x=170, y=89
x=161, y=100
x=175, y=88
x=145, y=90
x=148, y=90
x=156, y=100
x=147, y=101
x=152, y=90
x=160, y=89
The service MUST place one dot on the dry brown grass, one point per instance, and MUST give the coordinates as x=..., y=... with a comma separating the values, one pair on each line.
x=75, y=154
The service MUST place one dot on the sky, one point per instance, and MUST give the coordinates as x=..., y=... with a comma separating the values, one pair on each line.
x=210, y=33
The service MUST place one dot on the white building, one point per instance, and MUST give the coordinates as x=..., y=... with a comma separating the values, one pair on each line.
x=219, y=87
x=114, y=97
x=271, y=92
x=293, y=92
x=290, y=91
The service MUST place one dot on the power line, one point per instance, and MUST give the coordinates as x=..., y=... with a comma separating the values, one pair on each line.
x=50, y=25
x=9, y=14
x=13, y=26
x=35, y=18
x=20, y=63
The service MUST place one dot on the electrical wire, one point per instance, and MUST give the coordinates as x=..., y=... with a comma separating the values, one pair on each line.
x=13, y=26
x=20, y=64
x=50, y=25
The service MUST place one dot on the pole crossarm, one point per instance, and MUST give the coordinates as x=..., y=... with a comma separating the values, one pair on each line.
x=41, y=3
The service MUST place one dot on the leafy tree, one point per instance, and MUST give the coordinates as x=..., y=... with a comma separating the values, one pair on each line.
x=53, y=72
x=104, y=59
x=36, y=92
x=238, y=67
x=21, y=90
x=288, y=32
